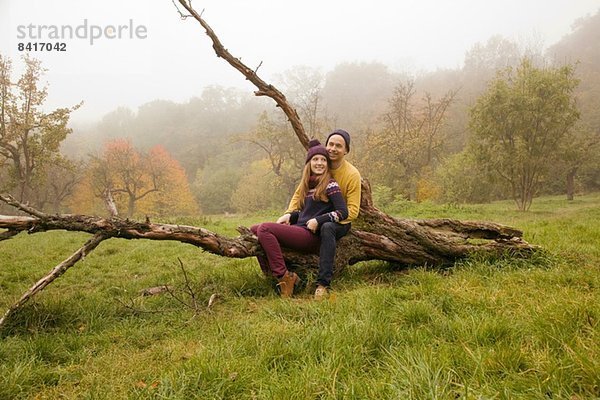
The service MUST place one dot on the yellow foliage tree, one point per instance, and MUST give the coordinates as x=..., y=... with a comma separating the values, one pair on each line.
x=151, y=183
x=259, y=189
x=175, y=198
x=427, y=187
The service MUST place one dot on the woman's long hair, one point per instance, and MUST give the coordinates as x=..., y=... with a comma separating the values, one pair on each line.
x=320, y=189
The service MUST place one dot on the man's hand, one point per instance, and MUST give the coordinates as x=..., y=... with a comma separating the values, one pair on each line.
x=284, y=219
x=312, y=225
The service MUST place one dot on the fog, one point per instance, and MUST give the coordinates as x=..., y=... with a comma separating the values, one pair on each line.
x=173, y=59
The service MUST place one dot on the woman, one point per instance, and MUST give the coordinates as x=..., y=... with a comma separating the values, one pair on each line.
x=321, y=201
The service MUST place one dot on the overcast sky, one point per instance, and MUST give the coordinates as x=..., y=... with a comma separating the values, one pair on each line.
x=172, y=59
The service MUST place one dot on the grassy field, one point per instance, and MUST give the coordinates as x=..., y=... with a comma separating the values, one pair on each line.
x=484, y=329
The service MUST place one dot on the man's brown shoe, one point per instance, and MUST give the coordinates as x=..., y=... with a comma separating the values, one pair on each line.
x=286, y=284
x=321, y=292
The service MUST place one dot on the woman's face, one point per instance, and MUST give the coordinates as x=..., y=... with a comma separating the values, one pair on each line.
x=318, y=165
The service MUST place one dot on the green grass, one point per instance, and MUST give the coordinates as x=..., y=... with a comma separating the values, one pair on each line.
x=484, y=329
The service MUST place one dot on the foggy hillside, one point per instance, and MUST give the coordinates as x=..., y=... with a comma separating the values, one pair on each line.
x=235, y=148
x=352, y=95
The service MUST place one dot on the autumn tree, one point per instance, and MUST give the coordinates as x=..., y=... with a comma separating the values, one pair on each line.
x=409, y=142
x=150, y=182
x=175, y=196
x=29, y=137
x=520, y=124
x=125, y=173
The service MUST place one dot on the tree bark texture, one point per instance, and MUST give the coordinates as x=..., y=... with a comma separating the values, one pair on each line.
x=571, y=183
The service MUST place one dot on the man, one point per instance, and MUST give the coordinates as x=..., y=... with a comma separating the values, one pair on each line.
x=348, y=178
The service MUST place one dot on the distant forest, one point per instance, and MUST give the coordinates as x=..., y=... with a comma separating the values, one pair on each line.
x=412, y=137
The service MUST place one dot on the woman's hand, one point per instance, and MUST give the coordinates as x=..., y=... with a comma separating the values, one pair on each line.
x=312, y=225
x=284, y=219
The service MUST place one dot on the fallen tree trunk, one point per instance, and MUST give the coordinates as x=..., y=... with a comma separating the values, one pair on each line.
x=374, y=236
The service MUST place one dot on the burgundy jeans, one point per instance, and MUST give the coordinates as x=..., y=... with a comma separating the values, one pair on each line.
x=272, y=236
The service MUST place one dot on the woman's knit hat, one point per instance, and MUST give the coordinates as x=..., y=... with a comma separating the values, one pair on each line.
x=315, y=147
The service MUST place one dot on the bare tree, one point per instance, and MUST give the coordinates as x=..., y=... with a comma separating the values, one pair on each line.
x=284, y=153
x=58, y=184
x=122, y=170
x=410, y=140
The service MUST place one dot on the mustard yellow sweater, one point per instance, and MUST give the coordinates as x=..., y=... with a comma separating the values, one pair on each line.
x=348, y=177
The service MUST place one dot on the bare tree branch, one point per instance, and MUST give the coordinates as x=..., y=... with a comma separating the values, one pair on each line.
x=188, y=287
x=8, y=199
x=182, y=15
x=264, y=88
x=110, y=204
x=55, y=273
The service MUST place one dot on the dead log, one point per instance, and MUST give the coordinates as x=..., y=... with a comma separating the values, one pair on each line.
x=374, y=236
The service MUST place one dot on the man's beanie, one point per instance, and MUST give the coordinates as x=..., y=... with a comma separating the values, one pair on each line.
x=315, y=147
x=343, y=134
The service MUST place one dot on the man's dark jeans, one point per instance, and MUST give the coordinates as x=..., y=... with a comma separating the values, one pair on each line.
x=331, y=232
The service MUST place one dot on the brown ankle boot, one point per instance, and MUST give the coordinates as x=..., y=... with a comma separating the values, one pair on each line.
x=286, y=284
x=321, y=292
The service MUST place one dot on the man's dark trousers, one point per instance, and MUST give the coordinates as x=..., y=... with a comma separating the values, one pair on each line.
x=331, y=232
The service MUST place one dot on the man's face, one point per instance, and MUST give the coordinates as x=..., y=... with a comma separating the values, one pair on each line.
x=336, y=147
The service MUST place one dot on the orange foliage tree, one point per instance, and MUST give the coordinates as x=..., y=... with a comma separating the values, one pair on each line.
x=142, y=183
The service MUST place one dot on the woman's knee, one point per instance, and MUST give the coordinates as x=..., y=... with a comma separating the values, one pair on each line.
x=264, y=229
x=260, y=230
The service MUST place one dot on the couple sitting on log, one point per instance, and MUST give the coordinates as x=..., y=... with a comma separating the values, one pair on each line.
x=320, y=213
